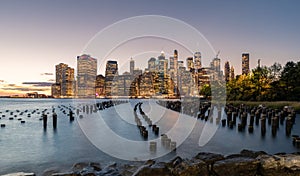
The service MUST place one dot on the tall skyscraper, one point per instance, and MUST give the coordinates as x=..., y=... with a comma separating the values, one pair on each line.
x=131, y=66
x=180, y=64
x=189, y=63
x=86, y=76
x=175, y=66
x=171, y=63
x=152, y=64
x=100, y=91
x=215, y=65
x=111, y=73
x=232, y=75
x=65, y=80
x=197, y=59
x=245, y=63
x=227, y=71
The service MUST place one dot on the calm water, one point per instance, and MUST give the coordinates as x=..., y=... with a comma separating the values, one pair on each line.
x=28, y=147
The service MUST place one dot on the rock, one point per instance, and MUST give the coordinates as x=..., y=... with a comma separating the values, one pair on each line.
x=65, y=174
x=128, y=170
x=96, y=166
x=109, y=170
x=79, y=166
x=252, y=154
x=191, y=168
x=239, y=166
x=158, y=169
x=209, y=158
x=283, y=165
x=174, y=162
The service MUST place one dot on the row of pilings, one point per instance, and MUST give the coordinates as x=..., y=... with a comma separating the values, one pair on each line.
x=166, y=142
x=52, y=113
x=242, y=117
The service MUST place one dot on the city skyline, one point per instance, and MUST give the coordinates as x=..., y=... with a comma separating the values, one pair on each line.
x=34, y=38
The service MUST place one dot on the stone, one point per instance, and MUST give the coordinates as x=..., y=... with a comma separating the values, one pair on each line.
x=239, y=166
x=191, y=168
x=209, y=158
x=79, y=166
x=252, y=154
x=283, y=165
x=158, y=169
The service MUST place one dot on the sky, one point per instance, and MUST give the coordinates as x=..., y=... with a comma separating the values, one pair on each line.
x=36, y=35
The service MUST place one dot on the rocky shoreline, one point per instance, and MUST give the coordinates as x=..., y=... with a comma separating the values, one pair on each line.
x=246, y=163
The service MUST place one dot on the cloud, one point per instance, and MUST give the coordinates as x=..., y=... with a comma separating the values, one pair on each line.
x=24, y=89
x=38, y=84
x=47, y=74
x=10, y=85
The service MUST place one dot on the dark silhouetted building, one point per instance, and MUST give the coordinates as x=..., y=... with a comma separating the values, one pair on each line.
x=245, y=63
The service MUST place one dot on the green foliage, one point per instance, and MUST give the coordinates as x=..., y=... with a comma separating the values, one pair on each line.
x=267, y=84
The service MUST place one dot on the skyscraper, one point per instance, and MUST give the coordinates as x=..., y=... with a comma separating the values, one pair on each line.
x=86, y=76
x=131, y=66
x=111, y=73
x=100, y=80
x=189, y=63
x=245, y=63
x=232, y=73
x=65, y=80
x=152, y=64
x=171, y=63
x=227, y=71
x=197, y=59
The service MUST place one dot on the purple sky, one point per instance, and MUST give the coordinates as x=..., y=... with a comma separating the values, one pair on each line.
x=37, y=35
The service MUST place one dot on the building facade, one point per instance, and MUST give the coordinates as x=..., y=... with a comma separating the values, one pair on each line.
x=245, y=63
x=64, y=86
x=86, y=76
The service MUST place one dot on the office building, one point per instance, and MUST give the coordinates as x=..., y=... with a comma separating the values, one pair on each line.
x=100, y=86
x=227, y=71
x=197, y=59
x=86, y=76
x=245, y=63
x=111, y=73
x=131, y=66
x=232, y=75
x=64, y=86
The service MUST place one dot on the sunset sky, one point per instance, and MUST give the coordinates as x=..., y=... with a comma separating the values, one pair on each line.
x=36, y=35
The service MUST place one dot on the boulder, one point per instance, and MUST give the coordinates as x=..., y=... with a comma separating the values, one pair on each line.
x=239, y=166
x=158, y=169
x=283, y=165
x=209, y=158
x=191, y=168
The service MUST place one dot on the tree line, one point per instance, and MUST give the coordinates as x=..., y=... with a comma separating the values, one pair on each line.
x=274, y=83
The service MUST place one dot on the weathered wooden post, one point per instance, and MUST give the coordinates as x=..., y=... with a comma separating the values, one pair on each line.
x=45, y=121
x=54, y=118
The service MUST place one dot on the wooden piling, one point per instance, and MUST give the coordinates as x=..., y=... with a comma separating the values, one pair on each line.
x=54, y=118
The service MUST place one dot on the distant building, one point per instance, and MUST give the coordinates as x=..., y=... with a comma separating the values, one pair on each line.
x=124, y=83
x=86, y=76
x=100, y=90
x=232, y=75
x=55, y=90
x=64, y=86
x=227, y=71
x=131, y=66
x=152, y=64
x=245, y=63
x=111, y=73
x=197, y=59
x=189, y=63
x=180, y=64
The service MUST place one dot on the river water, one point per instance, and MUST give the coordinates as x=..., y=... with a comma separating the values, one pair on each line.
x=29, y=147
